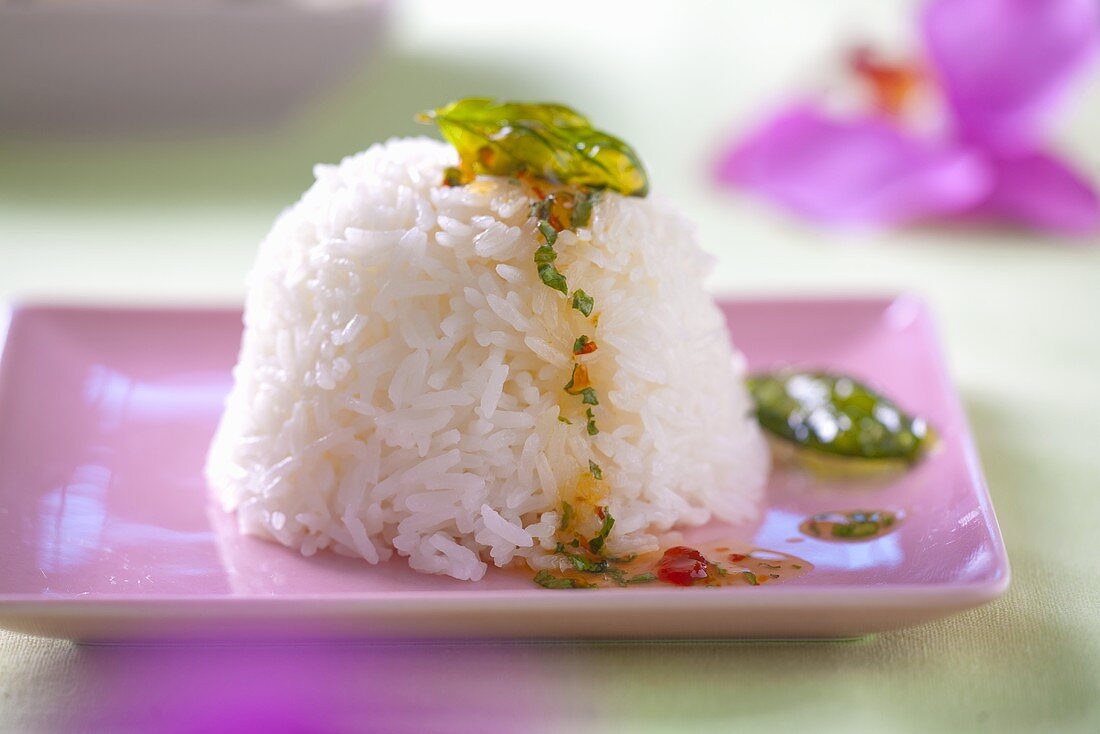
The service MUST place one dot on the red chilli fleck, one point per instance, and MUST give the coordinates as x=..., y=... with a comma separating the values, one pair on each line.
x=682, y=565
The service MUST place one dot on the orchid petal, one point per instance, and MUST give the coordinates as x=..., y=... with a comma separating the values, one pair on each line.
x=863, y=171
x=1004, y=64
x=1040, y=191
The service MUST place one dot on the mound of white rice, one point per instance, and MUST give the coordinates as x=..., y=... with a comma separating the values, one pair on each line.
x=400, y=381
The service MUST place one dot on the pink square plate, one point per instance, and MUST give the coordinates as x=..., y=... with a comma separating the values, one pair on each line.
x=107, y=532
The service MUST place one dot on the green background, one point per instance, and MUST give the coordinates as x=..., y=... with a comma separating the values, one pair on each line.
x=170, y=220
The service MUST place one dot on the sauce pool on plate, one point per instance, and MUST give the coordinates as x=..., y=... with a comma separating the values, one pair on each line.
x=854, y=525
x=710, y=564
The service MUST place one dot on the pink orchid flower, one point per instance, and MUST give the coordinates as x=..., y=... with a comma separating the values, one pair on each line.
x=995, y=71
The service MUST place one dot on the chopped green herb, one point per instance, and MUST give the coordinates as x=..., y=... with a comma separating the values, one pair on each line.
x=856, y=529
x=582, y=210
x=588, y=396
x=541, y=208
x=623, y=559
x=549, y=275
x=548, y=580
x=642, y=578
x=583, y=345
x=566, y=515
x=596, y=544
x=575, y=543
x=452, y=176
x=595, y=470
x=583, y=302
x=854, y=525
x=548, y=232
x=591, y=427
x=617, y=575
x=565, y=420
x=583, y=564
x=549, y=141
x=580, y=562
x=837, y=415
x=751, y=578
x=545, y=254
x=721, y=571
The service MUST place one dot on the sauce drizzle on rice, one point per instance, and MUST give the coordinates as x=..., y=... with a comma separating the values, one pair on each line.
x=490, y=138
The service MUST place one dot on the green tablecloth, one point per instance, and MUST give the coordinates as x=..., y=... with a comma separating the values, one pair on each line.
x=178, y=221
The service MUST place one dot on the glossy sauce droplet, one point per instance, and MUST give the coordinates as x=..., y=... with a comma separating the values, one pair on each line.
x=682, y=566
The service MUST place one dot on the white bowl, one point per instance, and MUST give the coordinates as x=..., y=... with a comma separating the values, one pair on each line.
x=117, y=67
